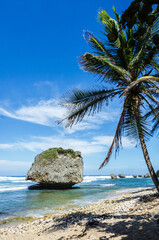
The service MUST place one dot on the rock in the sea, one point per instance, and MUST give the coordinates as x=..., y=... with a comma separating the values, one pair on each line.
x=147, y=175
x=134, y=176
x=157, y=173
x=56, y=168
x=113, y=176
x=140, y=176
x=121, y=175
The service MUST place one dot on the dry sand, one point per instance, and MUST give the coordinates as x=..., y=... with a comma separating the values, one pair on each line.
x=133, y=216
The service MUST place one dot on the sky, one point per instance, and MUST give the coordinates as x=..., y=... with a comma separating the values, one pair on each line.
x=39, y=48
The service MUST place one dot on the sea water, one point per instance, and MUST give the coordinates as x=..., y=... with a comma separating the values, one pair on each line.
x=17, y=201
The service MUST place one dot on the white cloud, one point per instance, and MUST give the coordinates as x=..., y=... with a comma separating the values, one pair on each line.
x=6, y=146
x=95, y=145
x=92, y=122
x=43, y=143
x=48, y=112
x=107, y=140
x=44, y=113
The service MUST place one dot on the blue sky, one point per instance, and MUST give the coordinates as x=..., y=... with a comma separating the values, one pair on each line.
x=39, y=45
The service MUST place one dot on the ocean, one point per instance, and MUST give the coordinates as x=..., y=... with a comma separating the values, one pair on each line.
x=17, y=201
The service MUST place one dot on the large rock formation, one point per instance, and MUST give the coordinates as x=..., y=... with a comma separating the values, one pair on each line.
x=57, y=168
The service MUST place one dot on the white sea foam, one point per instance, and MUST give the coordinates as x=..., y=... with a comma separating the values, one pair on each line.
x=12, y=179
x=94, y=178
x=21, y=181
x=13, y=189
x=88, y=179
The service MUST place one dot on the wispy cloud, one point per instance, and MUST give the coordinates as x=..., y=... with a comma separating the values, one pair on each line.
x=43, y=143
x=6, y=146
x=94, y=145
x=44, y=113
x=43, y=83
x=107, y=140
x=49, y=112
x=92, y=122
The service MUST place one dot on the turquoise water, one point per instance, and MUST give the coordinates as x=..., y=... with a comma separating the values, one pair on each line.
x=17, y=200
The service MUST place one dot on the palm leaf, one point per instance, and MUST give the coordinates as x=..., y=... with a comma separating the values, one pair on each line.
x=116, y=140
x=82, y=103
x=104, y=67
x=97, y=45
x=140, y=80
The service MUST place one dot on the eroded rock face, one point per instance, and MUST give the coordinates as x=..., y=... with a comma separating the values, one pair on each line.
x=57, y=168
x=140, y=176
x=134, y=176
x=147, y=175
x=113, y=176
x=121, y=176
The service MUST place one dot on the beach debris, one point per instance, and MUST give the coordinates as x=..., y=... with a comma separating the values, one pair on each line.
x=56, y=168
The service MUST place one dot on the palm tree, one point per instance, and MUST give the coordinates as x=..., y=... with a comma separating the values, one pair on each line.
x=127, y=66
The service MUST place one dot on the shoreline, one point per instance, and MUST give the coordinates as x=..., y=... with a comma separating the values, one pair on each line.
x=131, y=215
x=16, y=220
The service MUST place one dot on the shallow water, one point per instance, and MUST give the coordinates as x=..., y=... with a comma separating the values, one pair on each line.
x=17, y=200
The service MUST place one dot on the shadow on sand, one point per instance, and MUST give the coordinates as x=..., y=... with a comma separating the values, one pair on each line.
x=126, y=227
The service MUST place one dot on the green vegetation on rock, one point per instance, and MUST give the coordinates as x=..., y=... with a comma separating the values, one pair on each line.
x=67, y=151
x=44, y=163
x=52, y=153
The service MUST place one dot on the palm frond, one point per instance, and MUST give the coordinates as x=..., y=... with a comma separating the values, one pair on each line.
x=81, y=103
x=154, y=114
x=110, y=25
x=117, y=41
x=153, y=99
x=117, y=138
x=140, y=80
x=155, y=27
x=155, y=66
x=134, y=123
x=103, y=66
x=117, y=16
x=97, y=45
x=145, y=50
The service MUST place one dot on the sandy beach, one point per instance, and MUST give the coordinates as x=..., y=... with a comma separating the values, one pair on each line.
x=133, y=215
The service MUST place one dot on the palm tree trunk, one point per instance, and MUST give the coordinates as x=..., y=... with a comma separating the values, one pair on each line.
x=148, y=162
